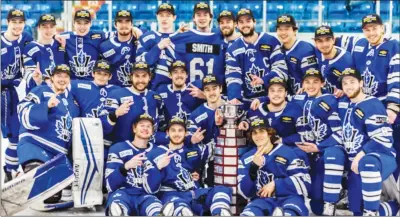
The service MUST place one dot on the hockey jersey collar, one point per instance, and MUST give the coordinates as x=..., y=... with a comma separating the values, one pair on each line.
x=201, y=33
x=260, y=35
x=293, y=47
x=169, y=86
x=337, y=57
x=5, y=40
x=377, y=46
x=264, y=109
x=137, y=93
x=150, y=146
x=114, y=40
x=43, y=45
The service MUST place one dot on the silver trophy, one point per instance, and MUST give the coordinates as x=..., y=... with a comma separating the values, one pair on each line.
x=231, y=113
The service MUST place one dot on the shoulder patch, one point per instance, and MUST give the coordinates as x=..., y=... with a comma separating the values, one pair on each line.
x=85, y=86
x=157, y=97
x=125, y=153
x=48, y=94
x=311, y=60
x=108, y=102
x=299, y=97
x=3, y=51
x=293, y=60
x=265, y=47
x=336, y=72
x=96, y=36
x=248, y=159
x=33, y=51
x=151, y=36
x=163, y=95
x=238, y=51
x=126, y=99
x=383, y=53
x=324, y=106
x=343, y=104
x=109, y=53
x=201, y=117
x=287, y=119
x=62, y=49
x=358, y=49
x=359, y=113
x=191, y=154
x=381, y=119
x=281, y=160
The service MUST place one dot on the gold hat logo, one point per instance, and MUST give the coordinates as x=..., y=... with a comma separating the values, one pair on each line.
x=103, y=65
x=18, y=13
x=244, y=11
x=312, y=71
x=277, y=80
x=177, y=119
x=124, y=13
x=202, y=5
x=283, y=19
x=209, y=78
x=178, y=64
x=369, y=19
x=145, y=115
x=323, y=30
x=83, y=14
x=141, y=65
x=48, y=17
x=165, y=6
x=63, y=67
x=257, y=122
x=348, y=71
x=225, y=13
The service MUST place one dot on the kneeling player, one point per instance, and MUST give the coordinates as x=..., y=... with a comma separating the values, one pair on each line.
x=274, y=177
x=170, y=171
x=368, y=139
x=124, y=174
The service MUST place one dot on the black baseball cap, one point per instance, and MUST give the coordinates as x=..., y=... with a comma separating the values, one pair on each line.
x=286, y=19
x=46, y=18
x=121, y=14
x=371, y=19
x=83, y=15
x=258, y=123
x=202, y=6
x=16, y=14
x=323, y=31
x=176, y=120
x=210, y=79
x=102, y=65
x=62, y=68
x=144, y=116
x=350, y=72
x=141, y=66
x=166, y=7
x=227, y=14
x=244, y=12
x=177, y=64
x=277, y=80
x=313, y=72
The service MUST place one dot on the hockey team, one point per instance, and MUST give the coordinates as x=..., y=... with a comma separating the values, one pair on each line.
x=321, y=120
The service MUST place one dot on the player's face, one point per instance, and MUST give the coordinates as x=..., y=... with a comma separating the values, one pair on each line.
x=165, y=19
x=82, y=27
x=176, y=134
x=123, y=26
x=286, y=33
x=260, y=137
x=179, y=76
x=101, y=78
x=16, y=27
x=373, y=33
x=351, y=86
x=143, y=129
x=325, y=44
x=276, y=94
x=140, y=80
x=202, y=19
x=246, y=26
x=60, y=81
x=313, y=86
x=212, y=92
x=227, y=26
x=47, y=30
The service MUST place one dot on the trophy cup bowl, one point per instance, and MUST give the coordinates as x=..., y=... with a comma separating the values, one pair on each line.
x=231, y=114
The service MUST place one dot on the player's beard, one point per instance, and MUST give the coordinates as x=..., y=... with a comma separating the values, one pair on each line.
x=124, y=33
x=251, y=33
x=355, y=93
x=279, y=103
x=177, y=142
x=138, y=87
x=328, y=52
x=228, y=33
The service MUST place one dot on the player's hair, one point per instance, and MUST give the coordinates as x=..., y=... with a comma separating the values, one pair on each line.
x=271, y=133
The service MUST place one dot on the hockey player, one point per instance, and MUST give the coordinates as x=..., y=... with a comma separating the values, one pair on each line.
x=120, y=50
x=124, y=105
x=274, y=177
x=152, y=44
x=203, y=129
x=45, y=123
x=281, y=115
x=322, y=140
x=202, y=17
x=13, y=41
x=253, y=54
x=170, y=171
x=377, y=59
x=45, y=52
x=299, y=55
x=177, y=97
x=227, y=26
x=124, y=172
x=332, y=60
x=368, y=139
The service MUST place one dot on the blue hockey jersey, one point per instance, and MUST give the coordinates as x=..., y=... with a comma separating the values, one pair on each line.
x=287, y=122
x=118, y=155
x=150, y=53
x=264, y=58
x=320, y=119
x=346, y=42
x=47, y=128
x=90, y=97
x=201, y=52
x=48, y=56
x=83, y=52
x=332, y=69
x=177, y=176
x=146, y=102
x=299, y=59
x=121, y=56
x=177, y=103
x=12, y=66
x=365, y=127
x=287, y=167
x=380, y=68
